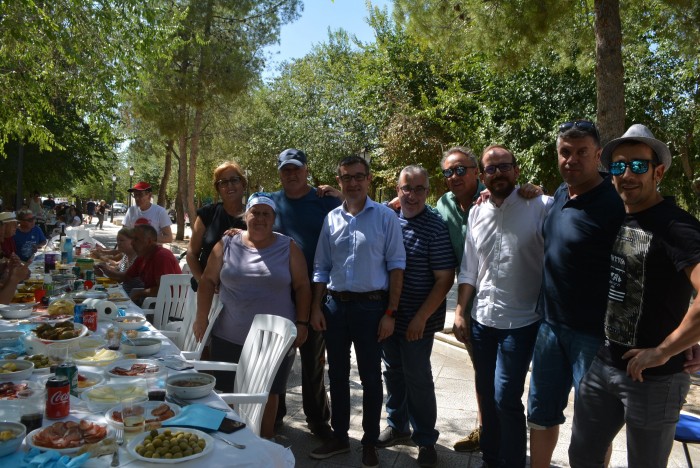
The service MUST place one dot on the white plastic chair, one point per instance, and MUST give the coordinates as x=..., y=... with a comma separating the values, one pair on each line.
x=175, y=300
x=190, y=348
x=265, y=347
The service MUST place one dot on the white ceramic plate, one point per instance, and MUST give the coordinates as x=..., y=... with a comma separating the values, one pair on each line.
x=148, y=407
x=29, y=440
x=91, y=376
x=158, y=367
x=131, y=448
x=95, y=357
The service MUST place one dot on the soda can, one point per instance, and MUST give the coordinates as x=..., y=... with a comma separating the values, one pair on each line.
x=89, y=275
x=76, y=271
x=78, y=310
x=90, y=319
x=57, y=397
x=70, y=371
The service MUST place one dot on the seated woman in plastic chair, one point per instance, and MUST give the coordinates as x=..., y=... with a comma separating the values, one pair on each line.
x=255, y=271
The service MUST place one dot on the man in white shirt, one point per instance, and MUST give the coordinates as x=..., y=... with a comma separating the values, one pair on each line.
x=503, y=260
x=145, y=212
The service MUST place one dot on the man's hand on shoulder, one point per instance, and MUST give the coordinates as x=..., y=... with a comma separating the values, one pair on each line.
x=529, y=191
x=328, y=191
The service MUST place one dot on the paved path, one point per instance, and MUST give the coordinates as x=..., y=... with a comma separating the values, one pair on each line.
x=454, y=384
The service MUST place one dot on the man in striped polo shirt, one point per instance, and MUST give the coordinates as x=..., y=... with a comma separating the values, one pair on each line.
x=430, y=264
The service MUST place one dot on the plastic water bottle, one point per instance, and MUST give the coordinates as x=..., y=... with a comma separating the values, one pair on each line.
x=68, y=250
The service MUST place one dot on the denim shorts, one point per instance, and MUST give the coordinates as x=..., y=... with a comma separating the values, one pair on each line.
x=562, y=357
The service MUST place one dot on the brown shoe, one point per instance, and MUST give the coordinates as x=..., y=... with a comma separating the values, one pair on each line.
x=469, y=443
x=370, y=457
x=330, y=448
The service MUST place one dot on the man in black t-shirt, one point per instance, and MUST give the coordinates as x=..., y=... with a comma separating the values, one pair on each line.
x=639, y=376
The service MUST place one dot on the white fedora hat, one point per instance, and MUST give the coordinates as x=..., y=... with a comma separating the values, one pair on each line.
x=640, y=134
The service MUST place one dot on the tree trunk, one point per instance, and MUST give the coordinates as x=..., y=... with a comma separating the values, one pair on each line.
x=182, y=180
x=609, y=72
x=167, y=170
x=194, y=152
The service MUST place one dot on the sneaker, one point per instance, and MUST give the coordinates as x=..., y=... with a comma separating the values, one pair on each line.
x=390, y=437
x=370, y=457
x=427, y=456
x=469, y=443
x=330, y=448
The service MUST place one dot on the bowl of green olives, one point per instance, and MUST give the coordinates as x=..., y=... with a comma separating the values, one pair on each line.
x=170, y=445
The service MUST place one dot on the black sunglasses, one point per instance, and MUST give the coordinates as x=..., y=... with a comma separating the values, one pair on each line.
x=503, y=167
x=583, y=125
x=459, y=170
x=637, y=166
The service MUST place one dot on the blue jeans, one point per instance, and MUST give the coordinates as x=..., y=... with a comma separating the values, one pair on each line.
x=354, y=323
x=609, y=398
x=410, y=388
x=501, y=359
x=562, y=357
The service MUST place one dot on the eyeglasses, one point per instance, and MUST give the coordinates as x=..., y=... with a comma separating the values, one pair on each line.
x=227, y=182
x=459, y=170
x=585, y=125
x=407, y=189
x=357, y=177
x=637, y=166
x=503, y=167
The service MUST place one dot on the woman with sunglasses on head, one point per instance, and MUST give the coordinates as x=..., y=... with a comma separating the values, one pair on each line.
x=213, y=220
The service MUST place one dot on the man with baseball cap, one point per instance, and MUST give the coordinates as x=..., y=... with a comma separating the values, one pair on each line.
x=145, y=212
x=301, y=210
x=638, y=377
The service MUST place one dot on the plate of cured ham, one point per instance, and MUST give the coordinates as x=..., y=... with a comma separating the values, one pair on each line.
x=131, y=368
x=67, y=437
x=155, y=413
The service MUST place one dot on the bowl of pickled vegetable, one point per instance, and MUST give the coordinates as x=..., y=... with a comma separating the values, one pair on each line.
x=15, y=369
x=170, y=445
x=11, y=436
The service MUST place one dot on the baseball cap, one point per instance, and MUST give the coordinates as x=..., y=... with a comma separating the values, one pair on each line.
x=140, y=187
x=7, y=216
x=259, y=198
x=291, y=156
x=638, y=133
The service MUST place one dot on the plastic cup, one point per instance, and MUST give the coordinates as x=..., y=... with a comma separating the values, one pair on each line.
x=38, y=294
x=133, y=416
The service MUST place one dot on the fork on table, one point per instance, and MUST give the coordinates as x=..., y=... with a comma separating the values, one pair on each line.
x=120, y=442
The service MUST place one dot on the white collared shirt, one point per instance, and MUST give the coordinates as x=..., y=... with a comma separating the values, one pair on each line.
x=503, y=260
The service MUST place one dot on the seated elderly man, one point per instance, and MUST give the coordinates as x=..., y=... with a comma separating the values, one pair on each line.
x=12, y=272
x=153, y=261
x=29, y=237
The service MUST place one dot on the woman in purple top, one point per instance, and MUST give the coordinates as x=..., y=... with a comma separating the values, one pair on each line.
x=255, y=271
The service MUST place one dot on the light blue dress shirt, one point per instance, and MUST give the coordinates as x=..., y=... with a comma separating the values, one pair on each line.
x=356, y=253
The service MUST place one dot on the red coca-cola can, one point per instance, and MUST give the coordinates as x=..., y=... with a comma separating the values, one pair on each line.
x=90, y=319
x=57, y=397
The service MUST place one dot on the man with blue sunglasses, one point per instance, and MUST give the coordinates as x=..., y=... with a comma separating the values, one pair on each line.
x=639, y=376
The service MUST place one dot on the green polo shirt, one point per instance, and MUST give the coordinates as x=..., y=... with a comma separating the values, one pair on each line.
x=456, y=220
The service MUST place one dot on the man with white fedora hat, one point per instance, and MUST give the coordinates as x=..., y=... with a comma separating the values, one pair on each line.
x=639, y=376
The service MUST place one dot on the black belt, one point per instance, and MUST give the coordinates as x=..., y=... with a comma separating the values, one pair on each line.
x=349, y=296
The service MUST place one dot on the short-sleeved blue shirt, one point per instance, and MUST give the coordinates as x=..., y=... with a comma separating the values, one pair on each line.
x=578, y=237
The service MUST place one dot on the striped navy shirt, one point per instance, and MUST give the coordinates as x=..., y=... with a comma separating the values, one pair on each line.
x=428, y=248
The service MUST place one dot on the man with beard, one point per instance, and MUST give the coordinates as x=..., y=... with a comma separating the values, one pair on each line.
x=503, y=257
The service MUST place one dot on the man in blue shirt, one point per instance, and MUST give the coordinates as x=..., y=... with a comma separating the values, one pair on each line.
x=29, y=237
x=301, y=210
x=429, y=275
x=358, y=273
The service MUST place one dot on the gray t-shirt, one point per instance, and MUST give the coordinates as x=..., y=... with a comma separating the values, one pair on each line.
x=253, y=281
